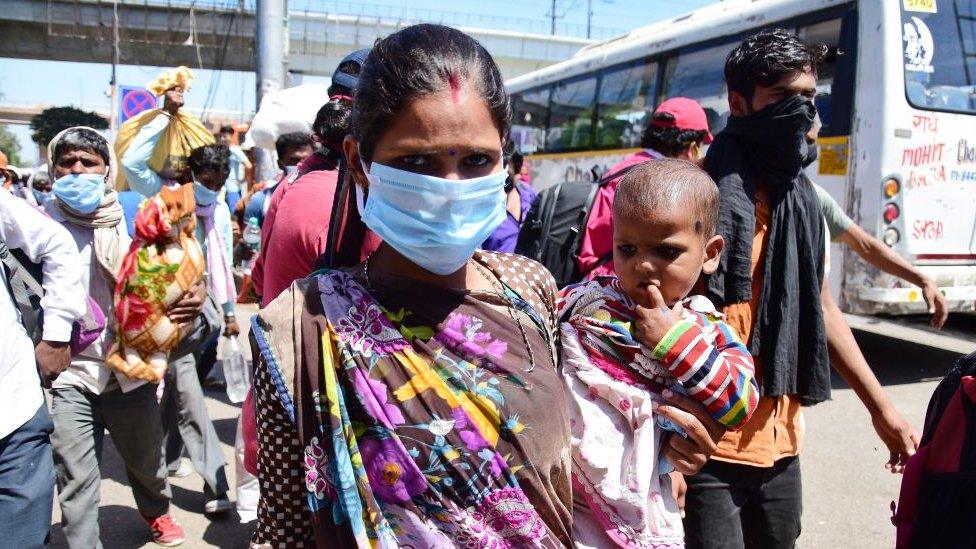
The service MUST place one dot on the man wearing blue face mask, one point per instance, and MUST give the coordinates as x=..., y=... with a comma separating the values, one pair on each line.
x=182, y=406
x=40, y=184
x=90, y=397
x=184, y=413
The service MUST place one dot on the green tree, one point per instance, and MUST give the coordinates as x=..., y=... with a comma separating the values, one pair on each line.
x=53, y=120
x=9, y=145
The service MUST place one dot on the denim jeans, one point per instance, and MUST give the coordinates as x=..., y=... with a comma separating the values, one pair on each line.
x=27, y=483
x=731, y=506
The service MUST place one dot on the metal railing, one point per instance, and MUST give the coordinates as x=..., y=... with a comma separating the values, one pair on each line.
x=401, y=14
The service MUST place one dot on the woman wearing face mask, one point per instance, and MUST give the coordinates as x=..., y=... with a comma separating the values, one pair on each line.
x=413, y=399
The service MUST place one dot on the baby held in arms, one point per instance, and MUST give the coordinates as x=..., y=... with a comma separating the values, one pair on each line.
x=630, y=337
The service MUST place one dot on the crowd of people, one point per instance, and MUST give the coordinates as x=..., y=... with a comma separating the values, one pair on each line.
x=415, y=383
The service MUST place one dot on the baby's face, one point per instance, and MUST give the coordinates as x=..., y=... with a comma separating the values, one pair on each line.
x=661, y=248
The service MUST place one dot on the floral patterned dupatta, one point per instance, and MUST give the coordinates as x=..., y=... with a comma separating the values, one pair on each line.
x=414, y=418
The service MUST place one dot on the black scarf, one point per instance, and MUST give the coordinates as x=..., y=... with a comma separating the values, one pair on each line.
x=788, y=337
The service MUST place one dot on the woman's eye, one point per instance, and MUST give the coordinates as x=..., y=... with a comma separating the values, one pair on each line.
x=415, y=161
x=477, y=160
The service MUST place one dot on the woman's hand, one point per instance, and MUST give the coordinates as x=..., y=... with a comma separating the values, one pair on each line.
x=688, y=455
x=678, y=489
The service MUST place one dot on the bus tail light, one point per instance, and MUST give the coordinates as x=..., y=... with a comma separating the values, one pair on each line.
x=891, y=187
x=891, y=236
x=891, y=212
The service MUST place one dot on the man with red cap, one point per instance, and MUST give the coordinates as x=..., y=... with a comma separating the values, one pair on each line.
x=677, y=129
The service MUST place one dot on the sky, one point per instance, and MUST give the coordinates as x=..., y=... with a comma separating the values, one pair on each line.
x=86, y=85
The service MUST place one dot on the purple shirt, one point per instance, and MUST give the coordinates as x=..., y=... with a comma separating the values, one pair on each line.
x=506, y=235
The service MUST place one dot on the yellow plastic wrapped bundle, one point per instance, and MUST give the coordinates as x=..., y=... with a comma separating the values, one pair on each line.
x=184, y=133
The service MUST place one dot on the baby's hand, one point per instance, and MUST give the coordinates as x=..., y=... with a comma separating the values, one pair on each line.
x=650, y=325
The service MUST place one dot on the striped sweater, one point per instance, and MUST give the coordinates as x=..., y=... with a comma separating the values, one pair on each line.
x=622, y=496
x=700, y=351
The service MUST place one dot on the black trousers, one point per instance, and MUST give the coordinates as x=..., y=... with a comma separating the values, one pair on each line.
x=732, y=506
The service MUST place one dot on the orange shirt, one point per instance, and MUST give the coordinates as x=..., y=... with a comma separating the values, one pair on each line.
x=775, y=429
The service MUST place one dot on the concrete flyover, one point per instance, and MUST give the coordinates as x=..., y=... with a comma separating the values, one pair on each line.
x=211, y=35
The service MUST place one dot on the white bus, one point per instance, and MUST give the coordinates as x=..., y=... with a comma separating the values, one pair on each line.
x=896, y=96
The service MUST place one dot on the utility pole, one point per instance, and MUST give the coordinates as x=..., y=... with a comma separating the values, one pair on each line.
x=269, y=19
x=589, y=17
x=553, y=15
x=113, y=123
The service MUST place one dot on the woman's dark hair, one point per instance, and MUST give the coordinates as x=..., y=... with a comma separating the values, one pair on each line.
x=667, y=139
x=765, y=57
x=210, y=157
x=332, y=123
x=516, y=160
x=82, y=139
x=417, y=61
x=290, y=141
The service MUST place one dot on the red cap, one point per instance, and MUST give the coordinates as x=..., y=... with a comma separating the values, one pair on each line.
x=687, y=113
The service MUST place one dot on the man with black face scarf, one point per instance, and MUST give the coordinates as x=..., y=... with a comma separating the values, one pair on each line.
x=772, y=288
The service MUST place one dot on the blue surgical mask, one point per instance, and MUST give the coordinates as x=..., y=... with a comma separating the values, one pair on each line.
x=82, y=192
x=203, y=195
x=41, y=196
x=436, y=223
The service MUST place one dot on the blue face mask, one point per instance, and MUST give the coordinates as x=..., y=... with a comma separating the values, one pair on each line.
x=41, y=196
x=82, y=192
x=203, y=195
x=435, y=223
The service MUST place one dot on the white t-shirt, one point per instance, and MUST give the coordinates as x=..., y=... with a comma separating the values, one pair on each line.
x=44, y=241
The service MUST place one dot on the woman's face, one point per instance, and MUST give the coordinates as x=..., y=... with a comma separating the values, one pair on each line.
x=448, y=134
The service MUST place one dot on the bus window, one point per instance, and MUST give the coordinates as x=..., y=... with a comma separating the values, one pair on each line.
x=700, y=75
x=571, y=115
x=827, y=33
x=530, y=112
x=940, y=74
x=626, y=98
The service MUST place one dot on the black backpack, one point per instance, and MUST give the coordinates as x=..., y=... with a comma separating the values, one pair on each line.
x=937, y=501
x=23, y=283
x=553, y=229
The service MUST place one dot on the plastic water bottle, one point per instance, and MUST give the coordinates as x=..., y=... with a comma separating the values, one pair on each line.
x=236, y=373
x=251, y=237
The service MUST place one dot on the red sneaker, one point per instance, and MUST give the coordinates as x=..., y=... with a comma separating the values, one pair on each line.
x=166, y=531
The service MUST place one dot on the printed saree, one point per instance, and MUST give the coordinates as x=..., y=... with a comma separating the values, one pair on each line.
x=408, y=415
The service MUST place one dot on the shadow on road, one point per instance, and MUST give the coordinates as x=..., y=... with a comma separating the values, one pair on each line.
x=119, y=526
x=897, y=362
x=229, y=533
